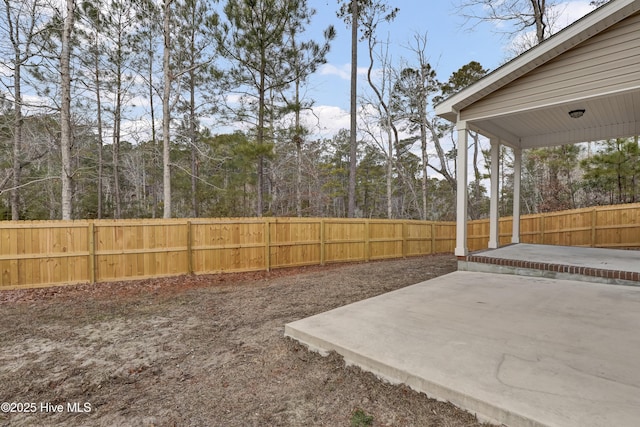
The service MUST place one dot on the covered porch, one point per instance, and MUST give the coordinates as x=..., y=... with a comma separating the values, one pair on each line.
x=581, y=85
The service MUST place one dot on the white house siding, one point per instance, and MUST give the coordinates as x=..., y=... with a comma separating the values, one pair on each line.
x=608, y=63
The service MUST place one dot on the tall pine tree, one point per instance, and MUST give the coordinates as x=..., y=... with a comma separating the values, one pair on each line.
x=255, y=41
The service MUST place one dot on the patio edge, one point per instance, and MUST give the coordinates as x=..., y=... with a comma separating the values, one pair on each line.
x=484, y=411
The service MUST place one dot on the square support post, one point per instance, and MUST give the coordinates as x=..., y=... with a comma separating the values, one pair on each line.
x=461, y=205
x=494, y=217
x=517, y=172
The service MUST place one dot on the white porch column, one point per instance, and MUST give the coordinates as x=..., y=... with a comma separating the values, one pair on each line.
x=517, y=169
x=461, y=206
x=494, y=225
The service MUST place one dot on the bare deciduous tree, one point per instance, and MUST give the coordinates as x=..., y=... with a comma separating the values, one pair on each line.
x=414, y=88
x=24, y=21
x=520, y=14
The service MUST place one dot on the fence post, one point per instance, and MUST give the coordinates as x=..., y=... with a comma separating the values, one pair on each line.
x=367, y=242
x=267, y=245
x=405, y=233
x=433, y=238
x=189, y=248
x=542, y=229
x=322, y=239
x=594, y=220
x=92, y=253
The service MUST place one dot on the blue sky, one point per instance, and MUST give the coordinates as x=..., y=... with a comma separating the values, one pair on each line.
x=450, y=45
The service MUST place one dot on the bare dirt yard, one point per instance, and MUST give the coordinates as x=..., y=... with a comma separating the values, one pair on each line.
x=202, y=351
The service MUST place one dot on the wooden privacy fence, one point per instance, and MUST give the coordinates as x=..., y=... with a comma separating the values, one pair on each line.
x=616, y=226
x=48, y=253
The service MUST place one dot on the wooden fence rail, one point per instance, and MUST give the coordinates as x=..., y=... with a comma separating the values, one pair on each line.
x=49, y=253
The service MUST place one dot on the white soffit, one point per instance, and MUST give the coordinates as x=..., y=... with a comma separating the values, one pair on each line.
x=611, y=116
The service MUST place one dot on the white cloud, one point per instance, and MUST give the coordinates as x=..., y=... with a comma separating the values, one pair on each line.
x=566, y=13
x=343, y=71
x=34, y=104
x=233, y=98
x=325, y=120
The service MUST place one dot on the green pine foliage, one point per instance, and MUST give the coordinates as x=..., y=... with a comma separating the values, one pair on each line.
x=612, y=174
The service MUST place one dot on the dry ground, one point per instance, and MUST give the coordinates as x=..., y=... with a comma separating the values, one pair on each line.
x=202, y=351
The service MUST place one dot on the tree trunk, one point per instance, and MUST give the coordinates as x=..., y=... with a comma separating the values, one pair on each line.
x=154, y=136
x=353, y=142
x=423, y=90
x=99, y=117
x=20, y=37
x=116, y=137
x=193, y=139
x=65, y=110
x=539, y=11
x=392, y=131
x=389, y=175
x=17, y=139
x=192, y=115
x=298, y=142
x=425, y=161
x=260, y=138
x=444, y=170
x=166, y=113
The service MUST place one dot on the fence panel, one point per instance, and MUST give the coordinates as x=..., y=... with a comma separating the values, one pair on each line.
x=420, y=238
x=294, y=242
x=445, y=239
x=568, y=228
x=617, y=226
x=40, y=253
x=531, y=227
x=228, y=245
x=46, y=253
x=505, y=227
x=477, y=234
x=344, y=240
x=140, y=249
x=386, y=239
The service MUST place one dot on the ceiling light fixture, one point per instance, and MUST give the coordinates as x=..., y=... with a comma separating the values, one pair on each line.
x=576, y=114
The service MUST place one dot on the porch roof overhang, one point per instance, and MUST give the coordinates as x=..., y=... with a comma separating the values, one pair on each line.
x=526, y=102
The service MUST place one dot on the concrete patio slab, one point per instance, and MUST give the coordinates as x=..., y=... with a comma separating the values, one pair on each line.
x=522, y=351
